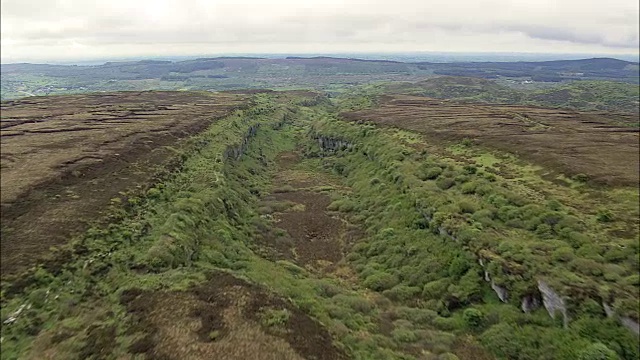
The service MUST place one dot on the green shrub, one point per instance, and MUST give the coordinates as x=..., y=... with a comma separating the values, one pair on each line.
x=469, y=187
x=598, y=351
x=470, y=169
x=403, y=335
x=402, y=292
x=458, y=267
x=356, y=303
x=563, y=254
x=445, y=183
x=430, y=173
x=473, y=318
x=380, y=281
x=274, y=318
x=435, y=289
x=467, y=206
x=604, y=216
x=580, y=177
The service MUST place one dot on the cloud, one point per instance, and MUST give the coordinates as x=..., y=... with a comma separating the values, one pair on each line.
x=53, y=29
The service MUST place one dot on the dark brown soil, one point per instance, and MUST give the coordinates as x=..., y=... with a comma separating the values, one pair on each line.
x=65, y=157
x=313, y=237
x=315, y=234
x=604, y=146
x=222, y=319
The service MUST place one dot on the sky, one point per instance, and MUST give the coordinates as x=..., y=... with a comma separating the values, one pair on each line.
x=58, y=30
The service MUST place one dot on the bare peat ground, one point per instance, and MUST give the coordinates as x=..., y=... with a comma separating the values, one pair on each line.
x=305, y=232
x=64, y=158
x=604, y=146
x=224, y=318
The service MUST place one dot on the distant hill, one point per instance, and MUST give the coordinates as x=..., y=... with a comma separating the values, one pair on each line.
x=558, y=70
x=585, y=95
x=229, y=73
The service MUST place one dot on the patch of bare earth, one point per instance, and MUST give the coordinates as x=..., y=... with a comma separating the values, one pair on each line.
x=602, y=145
x=64, y=158
x=305, y=233
x=223, y=319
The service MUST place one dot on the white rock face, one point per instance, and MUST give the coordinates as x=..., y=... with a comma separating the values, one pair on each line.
x=502, y=293
x=553, y=302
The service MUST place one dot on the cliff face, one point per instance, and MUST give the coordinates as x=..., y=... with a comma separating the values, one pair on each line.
x=236, y=151
x=333, y=144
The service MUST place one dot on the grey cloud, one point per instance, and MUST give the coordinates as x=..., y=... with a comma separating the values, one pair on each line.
x=564, y=34
x=30, y=26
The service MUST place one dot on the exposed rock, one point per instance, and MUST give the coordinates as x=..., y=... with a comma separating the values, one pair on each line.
x=13, y=317
x=553, y=302
x=608, y=310
x=332, y=144
x=630, y=324
x=502, y=293
x=235, y=152
x=444, y=232
x=530, y=303
x=626, y=321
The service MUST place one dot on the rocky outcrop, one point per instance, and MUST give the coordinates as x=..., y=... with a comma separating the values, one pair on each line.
x=626, y=321
x=502, y=293
x=630, y=324
x=333, y=144
x=553, y=302
x=530, y=303
x=236, y=151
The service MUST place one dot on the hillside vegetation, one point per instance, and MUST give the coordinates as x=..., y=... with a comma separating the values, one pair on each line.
x=583, y=95
x=288, y=231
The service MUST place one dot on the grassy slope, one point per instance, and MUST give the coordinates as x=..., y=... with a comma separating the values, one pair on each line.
x=427, y=213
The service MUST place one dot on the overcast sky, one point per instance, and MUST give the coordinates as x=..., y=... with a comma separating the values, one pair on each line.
x=40, y=30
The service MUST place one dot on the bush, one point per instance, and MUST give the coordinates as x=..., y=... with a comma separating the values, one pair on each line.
x=356, y=303
x=470, y=169
x=274, y=318
x=580, y=177
x=598, y=351
x=467, y=206
x=403, y=335
x=430, y=173
x=445, y=183
x=435, y=289
x=473, y=318
x=605, y=216
x=469, y=187
x=380, y=281
x=563, y=254
x=402, y=293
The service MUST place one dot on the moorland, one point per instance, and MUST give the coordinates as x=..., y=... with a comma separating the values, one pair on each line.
x=387, y=211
